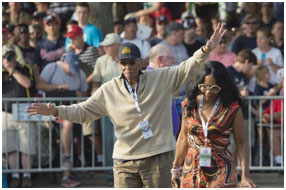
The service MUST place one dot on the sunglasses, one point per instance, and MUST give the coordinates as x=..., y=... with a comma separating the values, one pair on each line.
x=248, y=23
x=124, y=63
x=214, y=88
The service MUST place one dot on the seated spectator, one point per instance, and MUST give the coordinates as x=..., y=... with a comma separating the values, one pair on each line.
x=278, y=35
x=174, y=40
x=130, y=29
x=118, y=26
x=36, y=35
x=248, y=40
x=65, y=75
x=51, y=48
x=191, y=43
x=221, y=54
x=17, y=81
x=268, y=55
x=17, y=16
x=92, y=34
x=160, y=26
x=27, y=51
x=267, y=19
x=278, y=107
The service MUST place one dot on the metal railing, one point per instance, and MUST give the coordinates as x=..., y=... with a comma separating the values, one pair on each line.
x=49, y=140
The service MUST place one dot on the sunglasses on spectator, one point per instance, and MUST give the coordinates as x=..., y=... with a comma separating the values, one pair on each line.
x=214, y=88
x=248, y=23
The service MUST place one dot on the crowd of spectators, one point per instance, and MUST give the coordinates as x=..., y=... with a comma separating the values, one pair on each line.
x=50, y=47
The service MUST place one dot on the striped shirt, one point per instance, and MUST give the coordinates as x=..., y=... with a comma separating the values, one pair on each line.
x=88, y=57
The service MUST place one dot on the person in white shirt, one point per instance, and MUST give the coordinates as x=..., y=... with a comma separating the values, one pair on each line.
x=130, y=29
x=268, y=55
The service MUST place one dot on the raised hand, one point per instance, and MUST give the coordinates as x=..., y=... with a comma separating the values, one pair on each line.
x=216, y=37
x=42, y=109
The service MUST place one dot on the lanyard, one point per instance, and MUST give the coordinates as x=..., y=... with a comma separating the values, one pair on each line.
x=134, y=95
x=205, y=124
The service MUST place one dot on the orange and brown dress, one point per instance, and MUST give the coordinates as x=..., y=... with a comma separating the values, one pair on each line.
x=222, y=172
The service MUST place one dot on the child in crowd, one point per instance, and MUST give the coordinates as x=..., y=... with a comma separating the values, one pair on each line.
x=268, y=55
x=263, y=87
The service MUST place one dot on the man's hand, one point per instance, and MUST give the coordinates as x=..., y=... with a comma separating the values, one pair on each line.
x=215, y=38
x=9, y=65
x=42, y=109
x=63, y=87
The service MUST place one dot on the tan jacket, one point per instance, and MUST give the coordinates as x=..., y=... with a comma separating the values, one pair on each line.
x=155, y=93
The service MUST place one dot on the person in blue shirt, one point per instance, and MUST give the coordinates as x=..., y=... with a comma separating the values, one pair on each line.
x=248, y=40
x=91, y=34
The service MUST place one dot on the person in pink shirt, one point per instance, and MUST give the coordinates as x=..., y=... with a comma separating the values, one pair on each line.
x=221, y=54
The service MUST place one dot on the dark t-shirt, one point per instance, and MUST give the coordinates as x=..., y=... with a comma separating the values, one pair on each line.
x=243, y=42
x=191, y=48
x=87, y=58
x=262, y=91
x=29, y=55
x=48, y=51
x=269, y=25
x=239, y=78
x=154, y=41
x=12, y=89
x=241, y=82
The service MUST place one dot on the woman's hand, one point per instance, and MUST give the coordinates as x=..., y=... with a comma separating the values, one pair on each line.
x=247, y=182
x=175, y=180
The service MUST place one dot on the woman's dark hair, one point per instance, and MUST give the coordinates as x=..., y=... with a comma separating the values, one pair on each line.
x=229, y=92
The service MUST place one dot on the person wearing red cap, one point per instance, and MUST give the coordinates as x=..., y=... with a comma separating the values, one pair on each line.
x=87, y=57
x=87, y=54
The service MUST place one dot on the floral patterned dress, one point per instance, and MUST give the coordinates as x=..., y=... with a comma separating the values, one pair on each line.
x=222, y=172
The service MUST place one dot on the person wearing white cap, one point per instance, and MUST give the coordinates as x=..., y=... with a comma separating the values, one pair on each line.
x=106, y=66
